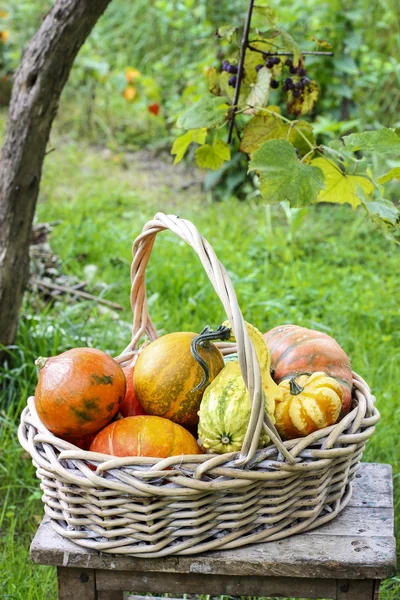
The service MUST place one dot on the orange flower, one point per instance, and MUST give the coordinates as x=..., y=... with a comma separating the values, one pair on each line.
x=129, y=93
x=131, y=74
x=3, y=14
x=154, y=108
x=4, y=35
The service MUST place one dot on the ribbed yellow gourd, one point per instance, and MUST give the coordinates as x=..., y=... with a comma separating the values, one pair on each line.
x=310, y=402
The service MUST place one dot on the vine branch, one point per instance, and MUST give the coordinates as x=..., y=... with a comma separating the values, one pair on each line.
x=305, y=52
x=243, y=48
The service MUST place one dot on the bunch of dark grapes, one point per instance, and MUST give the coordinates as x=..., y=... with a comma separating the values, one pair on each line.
x=270, y=63
x=295, y=85
x=232, y=69
x=302, y=81
x=289, y=84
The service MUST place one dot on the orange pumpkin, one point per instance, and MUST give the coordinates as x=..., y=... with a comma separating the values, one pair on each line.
x=166, y=375
x=297, y=350
x=145, y=436
x=78, y=392
x=130, y=406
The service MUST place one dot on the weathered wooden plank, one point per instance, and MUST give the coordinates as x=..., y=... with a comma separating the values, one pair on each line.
x=365, y=521
x=373, y=486
x=76, y=584
x=354, y=556
x=181, y=583
x=319, y=556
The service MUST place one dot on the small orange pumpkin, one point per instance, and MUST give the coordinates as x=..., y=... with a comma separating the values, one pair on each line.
x=78, y=392
x=145, y=436
x=310, y=402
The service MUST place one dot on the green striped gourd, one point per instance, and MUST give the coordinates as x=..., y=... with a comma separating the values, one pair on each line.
x=225, y=407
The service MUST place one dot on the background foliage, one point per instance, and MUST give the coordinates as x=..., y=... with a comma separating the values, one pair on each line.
x=173, y=43
x=323, y=267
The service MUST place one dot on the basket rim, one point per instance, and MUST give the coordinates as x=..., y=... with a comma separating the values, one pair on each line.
x=322, y=449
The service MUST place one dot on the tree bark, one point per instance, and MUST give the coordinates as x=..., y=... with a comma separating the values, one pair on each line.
x=38, y=84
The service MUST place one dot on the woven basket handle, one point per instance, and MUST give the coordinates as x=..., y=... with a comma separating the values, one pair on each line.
x=222, y=284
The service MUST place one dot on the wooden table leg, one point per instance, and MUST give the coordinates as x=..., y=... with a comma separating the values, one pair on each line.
x=110, y=595
x=357, y=589
x=377, y=585
x=76, y=584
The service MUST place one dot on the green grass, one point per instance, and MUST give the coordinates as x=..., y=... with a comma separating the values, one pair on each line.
x=325, y=268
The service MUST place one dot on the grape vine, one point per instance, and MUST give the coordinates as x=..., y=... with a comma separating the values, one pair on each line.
x=258, y=96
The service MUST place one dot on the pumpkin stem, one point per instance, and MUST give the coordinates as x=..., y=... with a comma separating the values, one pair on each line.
x=41, y=361
x=203, y=339
x=295, y=388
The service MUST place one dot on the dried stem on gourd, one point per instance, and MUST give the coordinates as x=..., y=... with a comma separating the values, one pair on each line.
x=203, y=339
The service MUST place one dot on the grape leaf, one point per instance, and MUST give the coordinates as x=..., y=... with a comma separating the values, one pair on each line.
x=383, y=141
x=271, y=34
x=214, y=81
x=340, y=187
x=259, y=91
x=228, y=91
x=206, y=112
x=276, y=70
x=226, y=31
x=290, y=45
x=296, y=138
x=263, y=14
x=278, y=39
x=264, y=127
x=322, y=43
x=254, y=57
x=182, y=143
x=305, y=102
x=261, y=128
x=389, y=176
x=383, y=209
x=213, y=157
x=283, y=176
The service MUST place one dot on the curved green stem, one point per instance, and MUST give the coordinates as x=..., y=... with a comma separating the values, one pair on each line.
x=309, y=153
x=203, y=339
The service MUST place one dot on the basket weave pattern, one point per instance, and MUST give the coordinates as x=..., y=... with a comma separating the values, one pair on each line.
x=190, y=504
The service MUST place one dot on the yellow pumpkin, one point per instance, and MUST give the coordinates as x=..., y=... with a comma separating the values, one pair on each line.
x=310, y=402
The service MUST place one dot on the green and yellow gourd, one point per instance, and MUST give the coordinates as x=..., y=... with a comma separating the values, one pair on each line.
x=225, y=407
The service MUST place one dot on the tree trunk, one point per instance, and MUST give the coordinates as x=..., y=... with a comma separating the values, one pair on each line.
x=39, y=81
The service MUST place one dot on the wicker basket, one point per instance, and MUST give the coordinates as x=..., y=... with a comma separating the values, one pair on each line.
x=190, y=504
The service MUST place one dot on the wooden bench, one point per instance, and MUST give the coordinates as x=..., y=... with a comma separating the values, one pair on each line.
x=343, y=560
